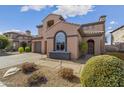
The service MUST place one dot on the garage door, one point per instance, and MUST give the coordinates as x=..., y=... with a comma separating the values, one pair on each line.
x=37, y=47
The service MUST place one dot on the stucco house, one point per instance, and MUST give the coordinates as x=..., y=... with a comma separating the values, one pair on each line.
x=18, y=38
x=60, y=39
x=117, y=35
x=117, y=38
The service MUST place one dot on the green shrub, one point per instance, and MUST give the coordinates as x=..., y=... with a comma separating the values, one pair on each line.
x=37, y=78
x=21, y=50
x=66, y=73
x=83, y=47
x=29, y=67
x=27, y=49
x=103, y=71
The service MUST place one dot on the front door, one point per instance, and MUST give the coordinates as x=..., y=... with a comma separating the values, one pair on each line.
x=90, y=46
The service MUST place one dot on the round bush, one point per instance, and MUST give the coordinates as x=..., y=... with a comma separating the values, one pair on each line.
x=21, y=50
x=103, y=71
x=27, y=49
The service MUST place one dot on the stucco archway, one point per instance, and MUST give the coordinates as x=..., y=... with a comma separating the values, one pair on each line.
x=91, y=48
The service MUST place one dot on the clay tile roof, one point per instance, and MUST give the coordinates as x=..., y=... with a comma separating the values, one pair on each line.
x=93, y=23
x=90, y=33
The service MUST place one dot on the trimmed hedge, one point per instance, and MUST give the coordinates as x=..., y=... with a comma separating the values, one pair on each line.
x=103, y=71
x=20, y=49
x=27, y=49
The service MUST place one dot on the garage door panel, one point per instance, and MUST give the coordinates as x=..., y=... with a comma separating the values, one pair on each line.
x=37, y=47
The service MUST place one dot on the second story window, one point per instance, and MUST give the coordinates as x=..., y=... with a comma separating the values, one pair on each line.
x=50, y=23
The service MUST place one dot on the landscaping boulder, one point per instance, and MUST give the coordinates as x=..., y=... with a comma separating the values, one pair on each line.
x=11, y=71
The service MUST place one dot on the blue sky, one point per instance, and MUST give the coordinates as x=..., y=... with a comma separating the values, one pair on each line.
x=21, y=18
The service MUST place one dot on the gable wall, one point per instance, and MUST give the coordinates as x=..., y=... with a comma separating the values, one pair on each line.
x=118, y=36
x=72, y=38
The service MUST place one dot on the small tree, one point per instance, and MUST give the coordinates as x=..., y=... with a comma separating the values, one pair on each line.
x=4, y=42
x=83, y=48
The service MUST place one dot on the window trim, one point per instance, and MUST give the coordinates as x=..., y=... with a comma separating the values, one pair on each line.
x=64, y=43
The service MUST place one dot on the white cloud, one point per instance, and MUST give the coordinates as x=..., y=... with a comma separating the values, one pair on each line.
x=12, y=30
x=113, y=22
x=1, y=33
x=64, y=10
x=73, y=10
x=109, y=27
x=33, y=7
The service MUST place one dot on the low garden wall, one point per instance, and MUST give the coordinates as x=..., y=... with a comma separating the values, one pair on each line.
x=115, y=48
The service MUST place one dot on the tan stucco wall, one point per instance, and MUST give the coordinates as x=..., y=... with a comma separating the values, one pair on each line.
x=72, y=47
x=98, y=40
x=62, y=26
x=50, y=44
x=72, y=38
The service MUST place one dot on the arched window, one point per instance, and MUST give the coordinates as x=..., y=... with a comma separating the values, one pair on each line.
x=60, y=41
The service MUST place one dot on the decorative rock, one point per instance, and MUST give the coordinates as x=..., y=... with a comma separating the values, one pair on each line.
x=11, y=71
x=2, y=85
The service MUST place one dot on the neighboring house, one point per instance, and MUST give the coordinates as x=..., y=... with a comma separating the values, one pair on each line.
x=18, y=39
x=117, y=35
x=60, y=39
x=117, y=38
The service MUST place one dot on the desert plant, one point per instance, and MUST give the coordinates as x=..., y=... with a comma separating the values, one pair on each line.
x=66, y=73
x=103, y=71
x=27, y=49
x=83, y=47
x=29, y=67
x=37, y=78
x=20, y=49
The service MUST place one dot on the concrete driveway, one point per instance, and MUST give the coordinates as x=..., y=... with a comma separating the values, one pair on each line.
x=7, y=61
